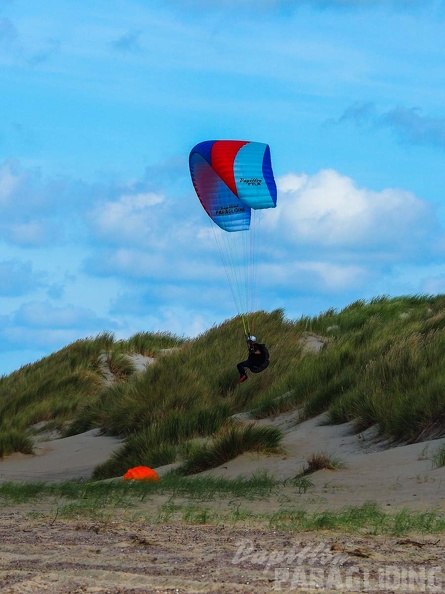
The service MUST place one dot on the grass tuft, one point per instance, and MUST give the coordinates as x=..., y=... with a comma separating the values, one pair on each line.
x=438, y=457
x=231, y=442
x=15, y=441
x=322, y=461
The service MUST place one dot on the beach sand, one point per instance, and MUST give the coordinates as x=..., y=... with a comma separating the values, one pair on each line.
x=123, y=552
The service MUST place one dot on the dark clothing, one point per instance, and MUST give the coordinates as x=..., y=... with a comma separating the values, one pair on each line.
x=256, y=362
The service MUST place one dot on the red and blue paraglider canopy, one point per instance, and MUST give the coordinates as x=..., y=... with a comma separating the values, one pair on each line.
x=234, y=181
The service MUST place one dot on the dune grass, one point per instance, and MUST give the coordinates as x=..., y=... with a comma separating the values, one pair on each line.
x=232, y=441
x=381, y=365
x=199, y=500
x=15, y=441
x=56, y=388
x=368, y=519
x=174, y=484
x=438, y=457
x=319, y=461
x=159, y=442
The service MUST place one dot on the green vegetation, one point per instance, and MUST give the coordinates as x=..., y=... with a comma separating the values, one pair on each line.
x=319, y=461
x=15, y=441
x=205, y=500
x=112, y=492
x=54, y=391
x=368, y=518
x=230, y=443
x=438, y=457
x=382, y=365
x=302, y=483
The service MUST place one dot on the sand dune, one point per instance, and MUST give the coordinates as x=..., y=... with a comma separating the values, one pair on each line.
x=60, y=459
x=372, y=469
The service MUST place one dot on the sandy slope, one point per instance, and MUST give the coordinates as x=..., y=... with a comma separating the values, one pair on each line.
x=124, y=553
x=373, y=471
x=60, y=459
x=393, y=476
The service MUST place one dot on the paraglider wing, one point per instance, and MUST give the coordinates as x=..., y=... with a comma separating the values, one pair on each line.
x=214, y=184
x=234, y=182
x=141, y=473
x=255, y=183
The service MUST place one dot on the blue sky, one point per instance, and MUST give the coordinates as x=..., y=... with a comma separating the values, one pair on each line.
x=101, y=102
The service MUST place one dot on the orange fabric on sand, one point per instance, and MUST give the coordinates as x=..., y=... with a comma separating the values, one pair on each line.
x=141, y=473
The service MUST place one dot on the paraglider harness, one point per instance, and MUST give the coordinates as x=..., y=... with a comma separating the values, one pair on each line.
x=256, y=362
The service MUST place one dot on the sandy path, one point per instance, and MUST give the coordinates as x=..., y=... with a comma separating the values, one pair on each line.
x=81, y=556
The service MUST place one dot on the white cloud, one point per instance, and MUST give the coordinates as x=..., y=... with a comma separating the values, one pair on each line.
x=38, y=314
x=43, y=340
x=335, y=277
x=327, y=210
x=132, y=218
x=326, y=235
x=177, y=319
x=9, y=181
x=155, y=266
x=38, y=328
x=33, y=210
x=33, y=233
x=301, y=274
